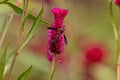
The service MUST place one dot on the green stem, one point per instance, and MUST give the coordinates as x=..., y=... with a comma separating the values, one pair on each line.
x=113, y=21
x=118, y=63
x=25, y=7
x=115, y=30
x=12, y=66
x=54, y=67
x=116, y=34
x=19, y=40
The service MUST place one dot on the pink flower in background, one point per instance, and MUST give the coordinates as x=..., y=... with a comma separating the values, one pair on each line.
x=95, y=53
x=56, y=39
x=117, y=2
x=19, y=2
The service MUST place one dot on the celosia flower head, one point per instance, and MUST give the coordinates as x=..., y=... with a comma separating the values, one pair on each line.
x=117, y=2
x=59, y=15
x=56, y=40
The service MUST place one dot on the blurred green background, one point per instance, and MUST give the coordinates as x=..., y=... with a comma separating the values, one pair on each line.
x=87, y=23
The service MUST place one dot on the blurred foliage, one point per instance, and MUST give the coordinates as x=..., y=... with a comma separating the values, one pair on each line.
x=88, y=22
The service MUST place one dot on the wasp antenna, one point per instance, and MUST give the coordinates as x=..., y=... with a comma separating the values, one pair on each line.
x=48, y=27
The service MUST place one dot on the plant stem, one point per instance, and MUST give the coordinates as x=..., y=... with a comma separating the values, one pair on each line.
x=118, y=69
x=116, y=35
x=25, y=7
x=20, y=38
x=115, y=31
x=118, y=62
x=5, y=29
x=54, y=67
x=12, y=66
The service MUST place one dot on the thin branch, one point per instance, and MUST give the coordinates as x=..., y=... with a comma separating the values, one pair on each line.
x=19, y=39
x=5, y=30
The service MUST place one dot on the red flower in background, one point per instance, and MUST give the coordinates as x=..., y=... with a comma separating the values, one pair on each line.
x=56, y=39
x=117, y=2
x=95, y=53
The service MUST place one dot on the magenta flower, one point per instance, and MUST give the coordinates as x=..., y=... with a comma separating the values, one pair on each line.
x=56, y=39
x=95, y=53
x=117, y=2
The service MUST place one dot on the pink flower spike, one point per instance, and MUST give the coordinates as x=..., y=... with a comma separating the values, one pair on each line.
x=60, y=60
x=57, y=40
x=117, y=2
x=49, y=56
x=59, y=13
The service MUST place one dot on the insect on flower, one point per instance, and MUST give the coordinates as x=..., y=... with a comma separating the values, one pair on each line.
x=56, y=33
x=60, y=32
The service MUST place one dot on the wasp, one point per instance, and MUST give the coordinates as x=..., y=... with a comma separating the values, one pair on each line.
x=60, y=32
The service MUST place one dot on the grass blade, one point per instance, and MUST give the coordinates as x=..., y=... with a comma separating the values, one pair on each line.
x=25, y=74
x=32, y=30
x=2, y=62
x=19, y=12
x=23, y=24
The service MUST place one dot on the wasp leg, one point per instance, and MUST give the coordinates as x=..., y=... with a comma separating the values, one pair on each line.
x=65, y=39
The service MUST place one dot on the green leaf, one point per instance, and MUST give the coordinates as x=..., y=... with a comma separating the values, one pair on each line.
x=10, y=55
x=25, y=74
x=19, y=12
x=23, y=24
x=2, y=62
x=14, y=7
x=33, y=29
x=118, y=48
x=3, y=1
